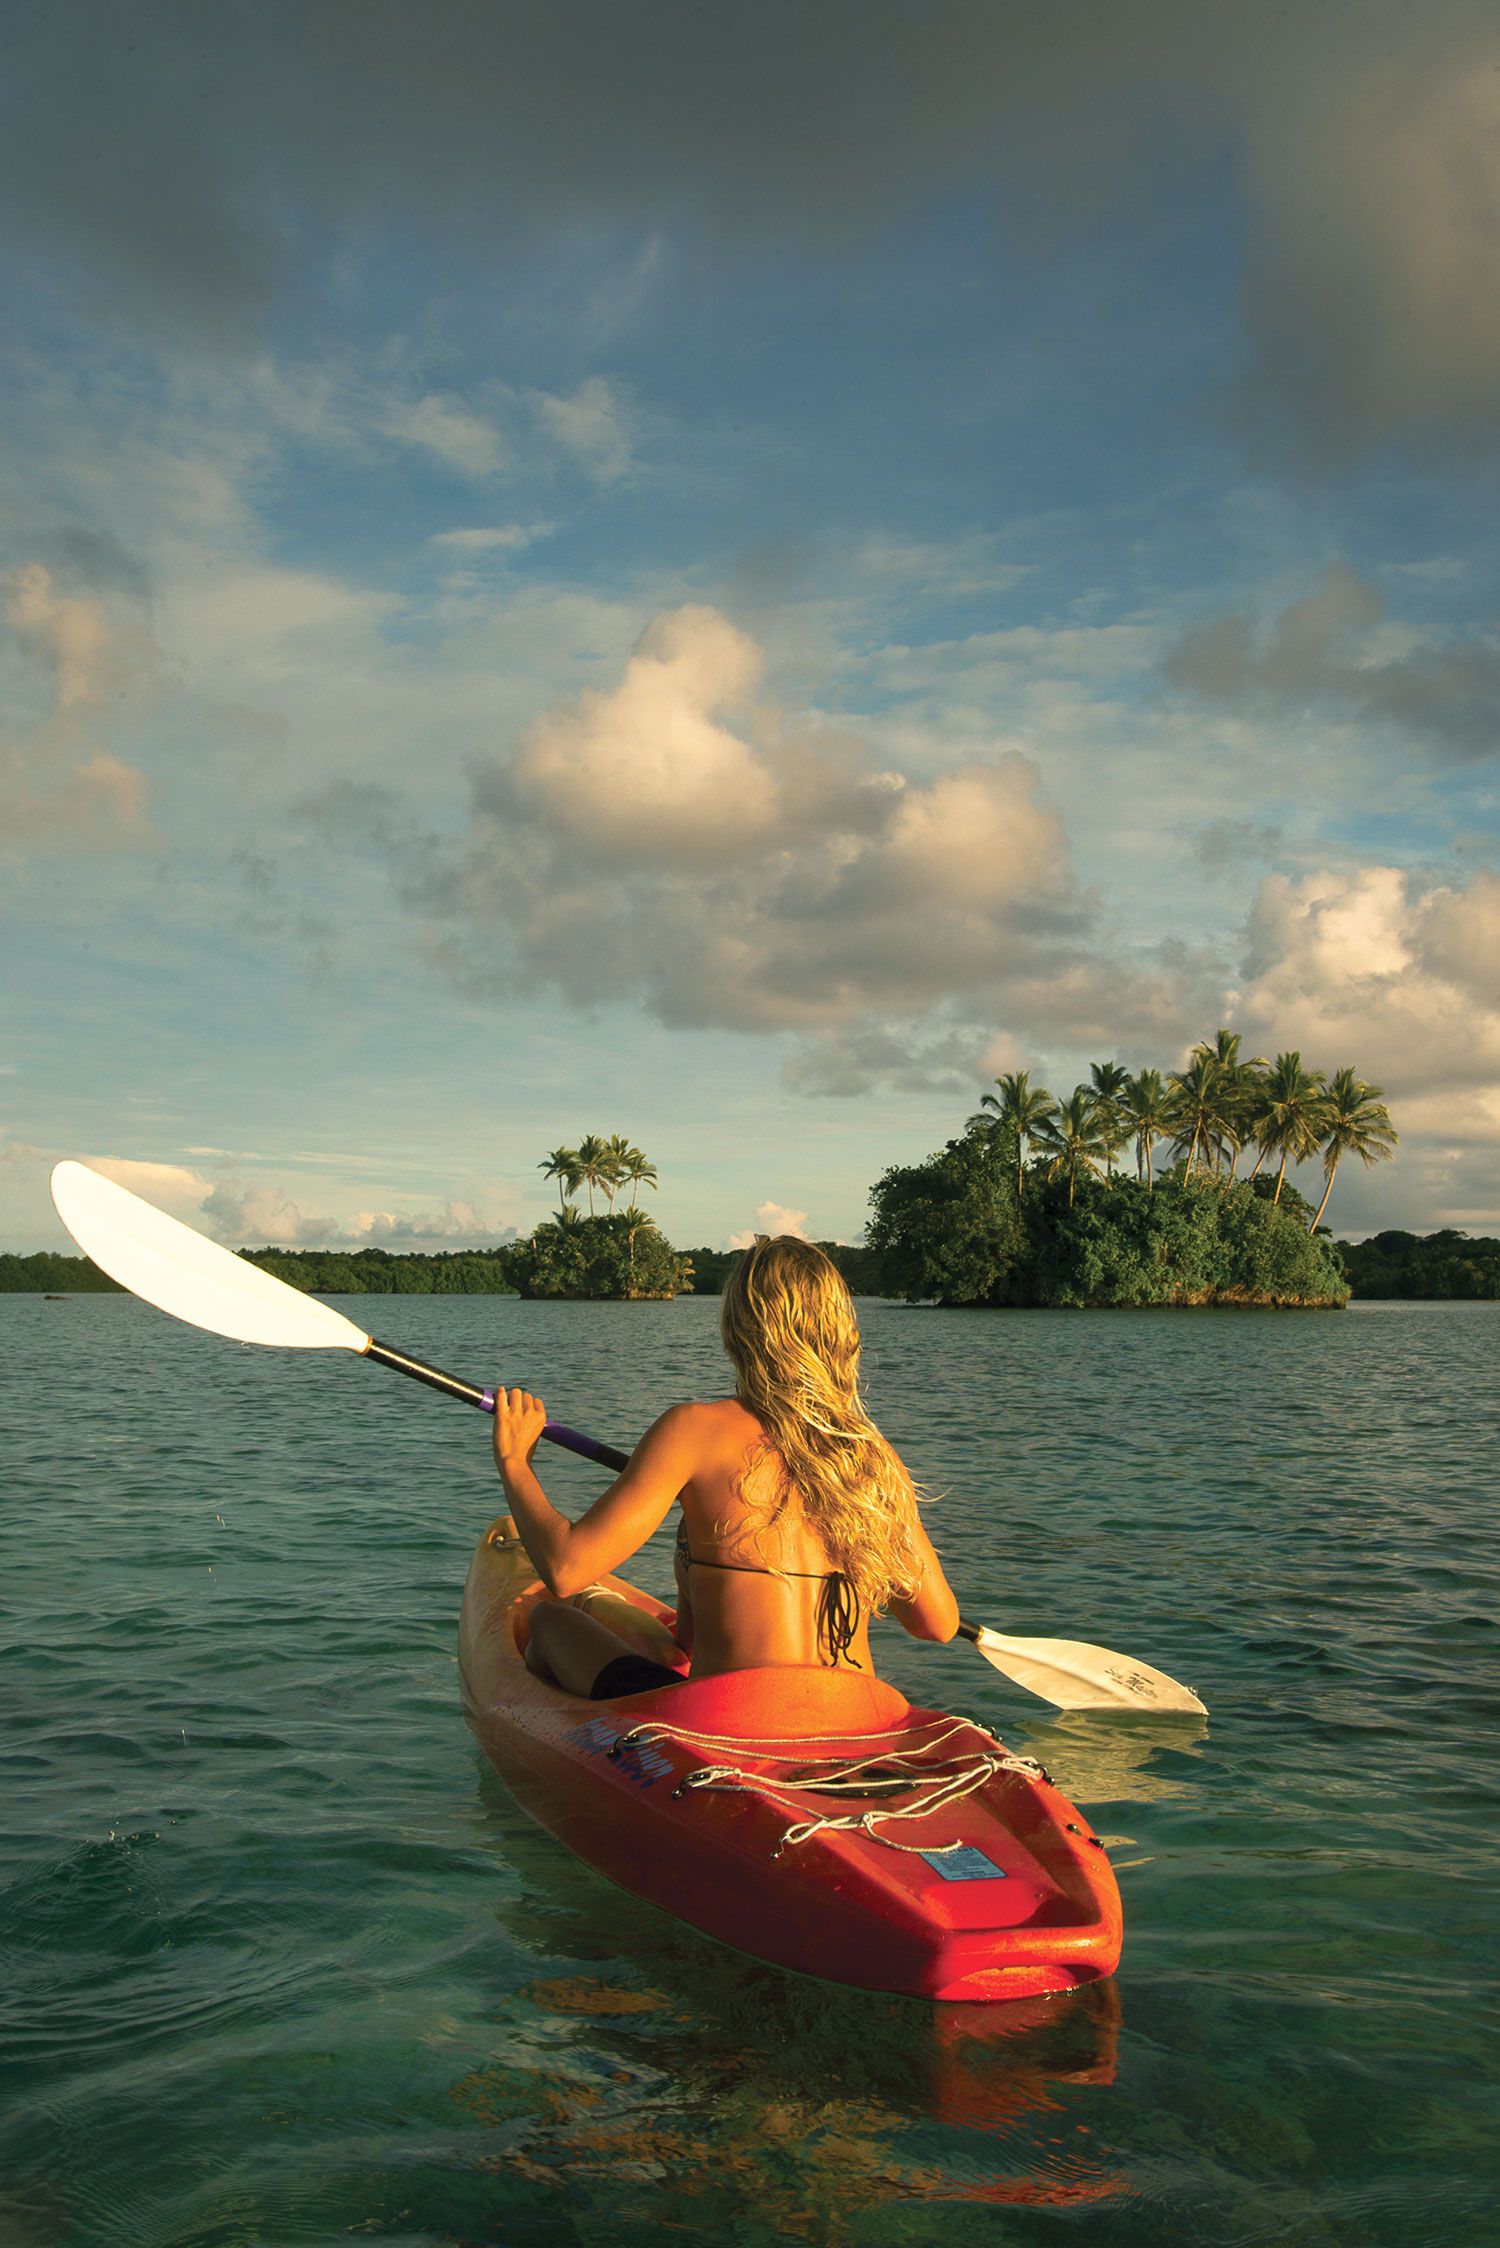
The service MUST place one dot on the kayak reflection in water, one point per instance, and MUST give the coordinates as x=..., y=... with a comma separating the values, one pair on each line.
x=798, y=1520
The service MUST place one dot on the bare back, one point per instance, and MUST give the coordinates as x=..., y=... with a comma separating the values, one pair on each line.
x=753, y=1592
x=744, y=1615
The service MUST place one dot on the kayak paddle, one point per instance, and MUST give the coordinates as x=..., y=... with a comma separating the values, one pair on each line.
x=167, y=1264
x=179, y=1271
x=1075, y=1675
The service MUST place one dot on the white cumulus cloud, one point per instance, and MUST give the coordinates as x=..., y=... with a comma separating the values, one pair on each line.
x=494, y=538
x=750, y=875
x=772, y=1217
x=1366, y=967
x=449, y=432
x=1369, y=968
x=263, y=1214
x=647, y=772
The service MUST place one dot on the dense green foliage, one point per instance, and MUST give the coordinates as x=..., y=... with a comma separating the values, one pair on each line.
x=952, y=1227
x=858, y=1265
x=49, y=1274
x=1445, y=1264
x=619, y=1254
x=954, y=1230
x=941, y=1233
x=376, y=1272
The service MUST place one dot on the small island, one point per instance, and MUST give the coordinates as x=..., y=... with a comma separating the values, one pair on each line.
x=614, y=1254
x=621, y=1255
x=980, y=1224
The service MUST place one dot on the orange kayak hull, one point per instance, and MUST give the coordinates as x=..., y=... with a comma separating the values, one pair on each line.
x=1026, y=1906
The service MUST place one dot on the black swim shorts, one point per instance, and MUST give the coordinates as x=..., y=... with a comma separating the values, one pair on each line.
x=632, y=1674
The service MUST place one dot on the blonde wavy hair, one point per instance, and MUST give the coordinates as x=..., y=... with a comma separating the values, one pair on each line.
x=788, y=1324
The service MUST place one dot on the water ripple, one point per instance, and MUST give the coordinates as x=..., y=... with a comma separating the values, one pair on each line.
x=281, y=1962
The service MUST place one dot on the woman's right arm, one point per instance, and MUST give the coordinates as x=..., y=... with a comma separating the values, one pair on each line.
x=569, y=1555
x=932, y=1611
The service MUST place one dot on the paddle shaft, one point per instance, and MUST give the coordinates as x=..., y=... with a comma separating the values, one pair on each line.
x=570, y=1439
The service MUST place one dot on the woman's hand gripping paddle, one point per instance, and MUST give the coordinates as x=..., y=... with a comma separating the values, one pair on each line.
x=169, y=1265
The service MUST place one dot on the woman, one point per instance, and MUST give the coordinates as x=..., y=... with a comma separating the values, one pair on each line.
x=798, y=1520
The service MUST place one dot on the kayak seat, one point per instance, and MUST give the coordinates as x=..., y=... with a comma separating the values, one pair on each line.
x=792, y=1703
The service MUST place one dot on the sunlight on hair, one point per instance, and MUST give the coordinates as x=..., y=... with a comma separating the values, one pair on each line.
x=789, y=1327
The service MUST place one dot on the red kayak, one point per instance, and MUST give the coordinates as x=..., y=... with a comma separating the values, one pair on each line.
x=811, y=1817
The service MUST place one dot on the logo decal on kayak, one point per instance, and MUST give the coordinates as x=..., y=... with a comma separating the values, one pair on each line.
x=965, y=1864
x=639, y=1762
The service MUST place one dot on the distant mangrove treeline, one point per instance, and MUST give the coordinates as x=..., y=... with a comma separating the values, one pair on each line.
x=1446, y=1266
x=382, y=1272
x=48, y=1274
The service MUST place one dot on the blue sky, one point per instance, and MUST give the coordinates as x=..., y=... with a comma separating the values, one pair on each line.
x=725, y=577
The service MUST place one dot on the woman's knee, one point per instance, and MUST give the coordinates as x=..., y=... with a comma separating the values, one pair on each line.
x=572, y=1646
x=545, y=1626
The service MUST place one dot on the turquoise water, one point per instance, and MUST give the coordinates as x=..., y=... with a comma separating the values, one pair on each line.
x=280, y=1963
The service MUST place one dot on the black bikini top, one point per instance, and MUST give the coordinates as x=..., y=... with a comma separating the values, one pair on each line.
x=838, y=1603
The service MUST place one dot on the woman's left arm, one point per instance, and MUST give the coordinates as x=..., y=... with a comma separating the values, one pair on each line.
x=569, y=1555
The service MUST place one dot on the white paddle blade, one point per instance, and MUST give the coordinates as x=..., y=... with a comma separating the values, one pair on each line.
x=1074, y=1675
x=169, y=1265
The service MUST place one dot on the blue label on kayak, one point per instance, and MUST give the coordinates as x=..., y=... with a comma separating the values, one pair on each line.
x=639, y=1761
x=964, y=1864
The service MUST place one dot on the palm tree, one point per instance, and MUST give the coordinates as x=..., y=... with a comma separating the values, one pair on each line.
x=1295, y=1116
x=614, y=1172
x=638, y=1172
x=1196, y=1105
x=636, y=1221
x=1022, y=1108
x=1147, y=1106
x=1255, y=1119
x=567, y=1217
x=1075, y=1137
x=1243, y=1108
x=1356, y=1122
x=1110, y=1081
x=593, y=1164
x=1238, y=1093
x=562, y=1165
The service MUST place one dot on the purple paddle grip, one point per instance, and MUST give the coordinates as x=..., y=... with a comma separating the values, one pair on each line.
x=588, y=1447
x=572, y=1440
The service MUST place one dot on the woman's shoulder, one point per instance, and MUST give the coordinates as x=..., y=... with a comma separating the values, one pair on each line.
x=707, y=1424
x=710, y=1419
x=711, y=1439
